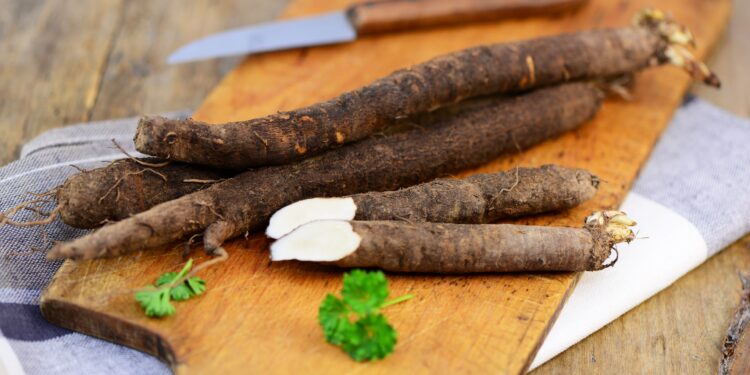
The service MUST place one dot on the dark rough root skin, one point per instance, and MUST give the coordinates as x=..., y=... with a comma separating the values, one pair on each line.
x=482, y=198
x=467, y=248
x=499, y=68
x=216, y=234
x=467, y=136
x=125, y=188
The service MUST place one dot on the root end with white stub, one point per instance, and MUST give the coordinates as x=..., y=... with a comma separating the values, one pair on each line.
x=615, y=223
x=677, y=37
x=318, y=241
x=296, y=214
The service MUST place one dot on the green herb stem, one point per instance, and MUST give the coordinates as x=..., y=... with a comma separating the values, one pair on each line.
x=181, y=275
x=394, y=301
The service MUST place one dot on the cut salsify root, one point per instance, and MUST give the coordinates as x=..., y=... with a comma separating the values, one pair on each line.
x=457, y=248
x=478, y=199
x=492, y=69
x=466, y=136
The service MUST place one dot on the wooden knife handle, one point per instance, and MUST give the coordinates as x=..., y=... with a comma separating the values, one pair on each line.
x=392, y=15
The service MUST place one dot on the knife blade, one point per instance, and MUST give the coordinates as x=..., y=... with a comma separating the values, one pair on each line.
x=361, y=19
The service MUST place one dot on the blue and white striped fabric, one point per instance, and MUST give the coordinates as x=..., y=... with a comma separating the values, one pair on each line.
x=689, y=205
x=28, y=344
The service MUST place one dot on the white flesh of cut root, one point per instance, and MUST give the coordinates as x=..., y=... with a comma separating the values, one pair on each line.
x=318, y=241
x=296, y=214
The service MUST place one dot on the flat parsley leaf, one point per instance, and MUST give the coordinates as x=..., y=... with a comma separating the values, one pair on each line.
x=166, y=278
x=355, y=322
x=197, y=285
x=192, y=287
x=156, y=302
x=180, y=293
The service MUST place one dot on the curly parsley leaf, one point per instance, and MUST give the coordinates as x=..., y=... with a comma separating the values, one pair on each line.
x=156, y=302
x=365, y=291
x=354, y=322
x=372, y=338
x=333, y=316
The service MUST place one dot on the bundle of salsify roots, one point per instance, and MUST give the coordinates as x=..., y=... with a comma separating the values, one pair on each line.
x=333, y=170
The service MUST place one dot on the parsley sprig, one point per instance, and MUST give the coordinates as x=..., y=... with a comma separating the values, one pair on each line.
x=155, y=300
x=355, y=321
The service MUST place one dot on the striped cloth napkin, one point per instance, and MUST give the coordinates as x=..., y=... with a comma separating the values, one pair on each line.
x=688, y=205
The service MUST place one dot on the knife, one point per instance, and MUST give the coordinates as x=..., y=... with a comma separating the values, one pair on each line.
x=361, y=19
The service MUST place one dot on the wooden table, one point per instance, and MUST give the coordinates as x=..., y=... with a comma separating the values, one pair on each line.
x=69, y=61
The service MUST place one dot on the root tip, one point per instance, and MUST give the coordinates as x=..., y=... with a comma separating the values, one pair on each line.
x=677, y=37
x=55, y=254
x=149, y=130
x=67, y=251
x=713, y=80
x=152, y=120
x=615, y=223
x=595, y=181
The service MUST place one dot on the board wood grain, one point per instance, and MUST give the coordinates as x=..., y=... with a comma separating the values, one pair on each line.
x=259, y=316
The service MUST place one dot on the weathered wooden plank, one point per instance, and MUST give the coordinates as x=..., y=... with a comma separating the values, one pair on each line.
x=138, y=80
x=53, y=54
x=731, y=61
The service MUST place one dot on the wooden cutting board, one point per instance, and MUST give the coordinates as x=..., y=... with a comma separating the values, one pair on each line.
x=261, y=317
